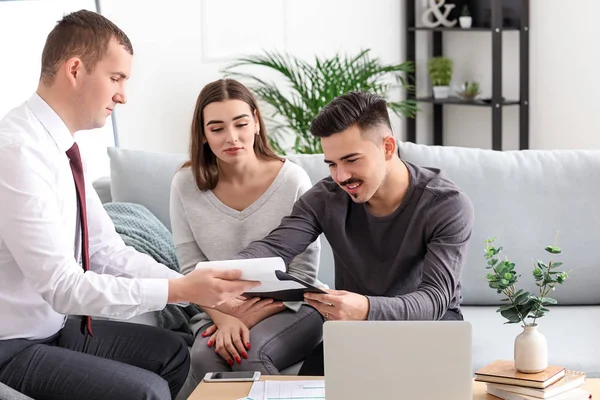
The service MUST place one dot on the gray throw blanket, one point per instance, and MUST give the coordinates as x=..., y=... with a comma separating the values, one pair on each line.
x=140, y=229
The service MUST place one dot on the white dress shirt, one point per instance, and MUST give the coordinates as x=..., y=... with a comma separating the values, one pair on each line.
x=41, y=280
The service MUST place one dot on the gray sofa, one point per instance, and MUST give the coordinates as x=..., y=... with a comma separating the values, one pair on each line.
x=521, y=197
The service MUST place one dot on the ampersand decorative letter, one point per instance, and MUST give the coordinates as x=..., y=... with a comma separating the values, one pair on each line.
x=435, y=7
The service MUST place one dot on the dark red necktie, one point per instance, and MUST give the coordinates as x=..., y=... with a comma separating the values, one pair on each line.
x=77, y=168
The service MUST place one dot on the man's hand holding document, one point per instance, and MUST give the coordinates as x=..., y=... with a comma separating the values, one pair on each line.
x=275, y=283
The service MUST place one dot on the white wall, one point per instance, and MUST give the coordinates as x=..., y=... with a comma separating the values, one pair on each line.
x=181, y=47
x=24, y=26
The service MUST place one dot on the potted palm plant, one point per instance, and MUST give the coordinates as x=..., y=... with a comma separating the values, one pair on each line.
x=310, y=86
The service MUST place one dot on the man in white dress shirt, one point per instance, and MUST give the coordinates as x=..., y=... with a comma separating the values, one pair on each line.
x=85, y=64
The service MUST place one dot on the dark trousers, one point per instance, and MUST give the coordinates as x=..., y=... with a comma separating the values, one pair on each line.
x=314, y=363
x=122, y=361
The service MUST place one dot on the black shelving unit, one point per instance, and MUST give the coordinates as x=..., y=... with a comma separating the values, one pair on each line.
x=497, y=102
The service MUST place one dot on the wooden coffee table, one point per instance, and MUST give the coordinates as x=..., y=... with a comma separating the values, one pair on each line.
x=234, y=391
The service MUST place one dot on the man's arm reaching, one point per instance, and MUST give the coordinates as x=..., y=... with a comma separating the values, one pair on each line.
x=295, y=233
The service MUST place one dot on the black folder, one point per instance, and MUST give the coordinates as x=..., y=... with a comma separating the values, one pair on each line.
x=287, y=294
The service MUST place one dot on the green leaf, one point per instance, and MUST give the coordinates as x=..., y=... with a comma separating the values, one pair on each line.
x=548, y=301
x=502, y=268
x=553, y=249
x=556, y=264
x=562, y=277
x=493, y=261
x=541, y=264
x=505, y=307
x=511, y=315
x=522, y=298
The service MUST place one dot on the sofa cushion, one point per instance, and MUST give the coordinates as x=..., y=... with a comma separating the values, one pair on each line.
x=144, y=178
x=524, y=198
x=102, y=188
x=313, y=164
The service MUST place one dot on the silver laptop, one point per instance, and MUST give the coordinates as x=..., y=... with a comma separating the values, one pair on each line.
x=401, y=360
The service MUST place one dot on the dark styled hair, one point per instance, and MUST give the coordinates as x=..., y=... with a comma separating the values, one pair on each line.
x=84, y=34
x=361, y=108
x=202, y=160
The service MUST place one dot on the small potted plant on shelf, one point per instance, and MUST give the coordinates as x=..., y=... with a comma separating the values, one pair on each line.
x=465, y=19
x=440, y=73
x=469, y=90
x=522, y=307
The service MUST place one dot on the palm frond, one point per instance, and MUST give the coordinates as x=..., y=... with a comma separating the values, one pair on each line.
x=310, y=86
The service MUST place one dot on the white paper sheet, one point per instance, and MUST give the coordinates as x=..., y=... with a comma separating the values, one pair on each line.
x=257, y=391
x=298, y=390
x=256, y=269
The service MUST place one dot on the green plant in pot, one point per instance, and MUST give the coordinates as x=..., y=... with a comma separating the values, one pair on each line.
x=522, y=307
x=465, y=20
x=440, y=72
x=290, y=108
x=469, y=90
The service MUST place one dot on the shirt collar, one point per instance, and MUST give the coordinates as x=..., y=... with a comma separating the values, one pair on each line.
x=51, y=122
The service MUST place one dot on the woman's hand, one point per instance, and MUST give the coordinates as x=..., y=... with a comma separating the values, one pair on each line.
x=250, y=311
x=260, y=310
x=231, y=338
x=240, y=306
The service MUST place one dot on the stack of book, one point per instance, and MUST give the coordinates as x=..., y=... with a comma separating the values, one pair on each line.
x=554, y=383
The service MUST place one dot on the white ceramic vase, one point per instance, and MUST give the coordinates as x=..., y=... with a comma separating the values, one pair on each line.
x=465, y=22
x=441, y=92
x=531, y=350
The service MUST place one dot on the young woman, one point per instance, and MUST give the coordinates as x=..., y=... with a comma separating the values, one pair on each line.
x=235, y=190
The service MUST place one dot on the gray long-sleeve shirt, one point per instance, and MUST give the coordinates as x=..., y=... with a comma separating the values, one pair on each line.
x=407, y=263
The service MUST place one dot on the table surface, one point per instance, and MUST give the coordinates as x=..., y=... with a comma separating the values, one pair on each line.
x=236, y=390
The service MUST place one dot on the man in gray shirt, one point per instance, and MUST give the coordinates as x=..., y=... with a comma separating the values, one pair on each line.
x=398, y=231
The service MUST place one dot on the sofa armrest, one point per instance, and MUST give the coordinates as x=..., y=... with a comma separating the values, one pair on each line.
x=102, y=187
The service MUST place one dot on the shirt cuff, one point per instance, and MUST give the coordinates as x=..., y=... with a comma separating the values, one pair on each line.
x=154, y=294
x=374, y=308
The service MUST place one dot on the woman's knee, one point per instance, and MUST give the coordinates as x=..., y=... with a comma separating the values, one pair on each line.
x=204, y=359
x=285, y=341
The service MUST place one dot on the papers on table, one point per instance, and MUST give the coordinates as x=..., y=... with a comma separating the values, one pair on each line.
x=277, y=390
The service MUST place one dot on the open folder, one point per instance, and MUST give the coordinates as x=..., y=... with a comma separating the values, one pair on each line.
x=270, y=272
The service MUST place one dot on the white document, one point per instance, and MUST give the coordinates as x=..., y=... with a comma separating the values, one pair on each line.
x=298, y=390
x=256, y=269
x=257, y=391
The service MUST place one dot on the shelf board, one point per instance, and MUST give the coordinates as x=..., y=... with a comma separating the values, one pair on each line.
x=460, y=102
x=459, y=29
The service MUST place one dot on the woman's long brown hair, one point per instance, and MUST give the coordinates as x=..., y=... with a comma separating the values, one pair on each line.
x=202, y=161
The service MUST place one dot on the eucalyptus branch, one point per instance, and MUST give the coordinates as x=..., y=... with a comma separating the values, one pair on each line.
x=522, y=304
